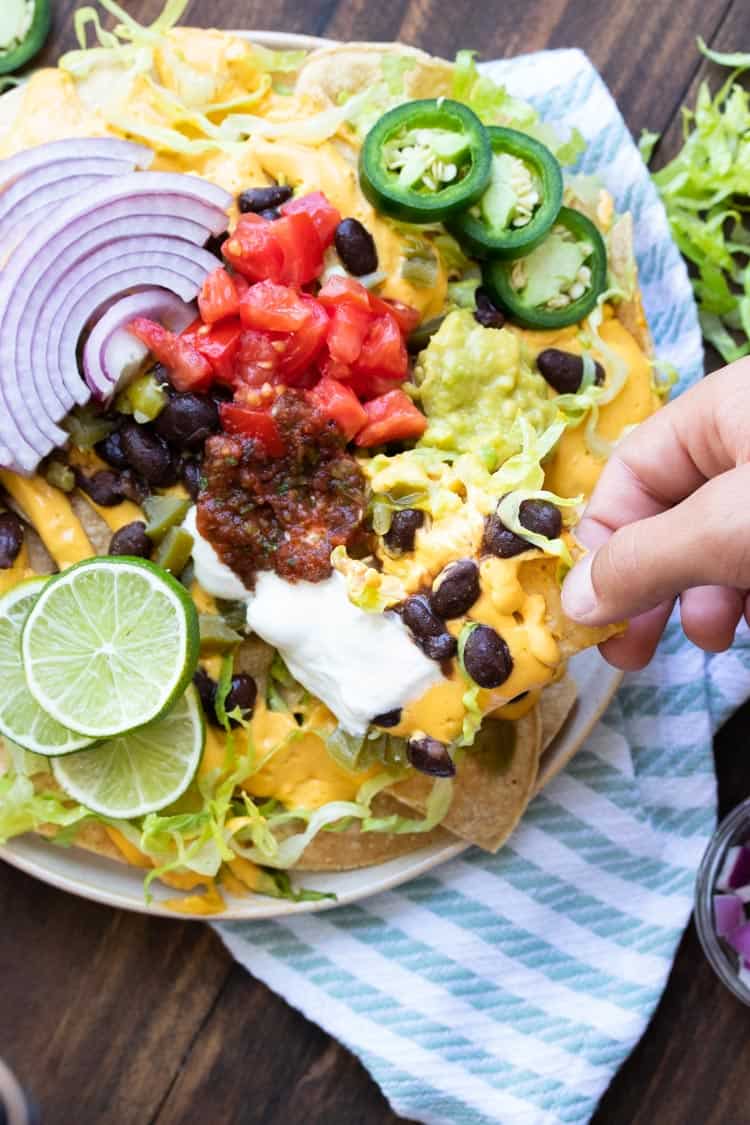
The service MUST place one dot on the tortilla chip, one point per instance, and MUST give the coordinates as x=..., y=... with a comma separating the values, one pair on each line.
x=346, y=851
x=624, y=269
x=493, y=783
x=539, y=576
x=557, y=701
x=331, y=73
x=97, y=531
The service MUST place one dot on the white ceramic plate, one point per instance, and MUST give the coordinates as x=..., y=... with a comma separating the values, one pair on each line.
x=102, y=880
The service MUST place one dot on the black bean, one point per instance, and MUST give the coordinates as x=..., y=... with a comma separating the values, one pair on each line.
x=430, y=756
x=487, y=657
x=499, y=541
x=404, y=526
x=356, y=247
x=271, y=214
x=215, y=244
x=131, y=540
x=388, y=718
x=541, y=517
x=486, y=313
x=242, y=694
x=456, y=589
x=420, y=617
x=207, y=692
x=11, y=539
x=564, y=371
x=147, y=454
x=439, y=648
x=423, y=333
x=111, y=451
x=134, y=487
x=259, y=199
x=187, y=420
x=104, y=487
x=190, y=471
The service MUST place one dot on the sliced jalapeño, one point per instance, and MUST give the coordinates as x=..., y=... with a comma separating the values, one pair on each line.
x=559, y=282
x=521, y=203
x=425, y=161
x=24, y=26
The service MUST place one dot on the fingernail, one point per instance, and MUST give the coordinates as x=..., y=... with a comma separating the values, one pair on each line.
x=579, y=598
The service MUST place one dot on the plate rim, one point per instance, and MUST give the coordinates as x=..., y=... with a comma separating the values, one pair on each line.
x=412, y=865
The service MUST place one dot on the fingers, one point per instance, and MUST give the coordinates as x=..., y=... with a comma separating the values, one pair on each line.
x=635, y=647
x=710, y=616
x=703, y=541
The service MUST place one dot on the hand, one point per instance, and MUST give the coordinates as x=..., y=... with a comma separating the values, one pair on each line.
x=669, y=518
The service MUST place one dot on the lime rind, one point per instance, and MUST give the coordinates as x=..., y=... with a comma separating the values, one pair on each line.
x=142, y=771
x=21, y=718
x=110, y=645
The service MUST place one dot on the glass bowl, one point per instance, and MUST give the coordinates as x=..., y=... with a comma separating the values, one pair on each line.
x=733, y=830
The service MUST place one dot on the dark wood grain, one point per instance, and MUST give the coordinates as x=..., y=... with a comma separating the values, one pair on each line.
x=113, y=1019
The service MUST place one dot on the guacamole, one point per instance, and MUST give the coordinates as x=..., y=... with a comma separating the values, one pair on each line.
x=473, y=383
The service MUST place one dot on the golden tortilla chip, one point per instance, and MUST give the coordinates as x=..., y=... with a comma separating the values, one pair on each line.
x=539, y=576
x=335, y=72
x=346, y=851
x=557, y=701
x=97, y=531
x=493, y=784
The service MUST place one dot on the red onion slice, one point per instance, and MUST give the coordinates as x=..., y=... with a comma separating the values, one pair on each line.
x=112, y=353
x=729, y=914
x=73, y=148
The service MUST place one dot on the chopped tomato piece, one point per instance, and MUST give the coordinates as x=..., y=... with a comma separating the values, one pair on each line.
x=218, y=343
x=304, y=346
x=218, y=297
x=253, y=250
x=188, y=369
x=406, y=316
x=302, y=255
x=258, y=424
x=347, y=332
x=274, y=308
x=257, y=360
x=391, y=417
x=340, y=290
x=383, y=352
x=341, y=404
x=333, y=369
x=323, y=214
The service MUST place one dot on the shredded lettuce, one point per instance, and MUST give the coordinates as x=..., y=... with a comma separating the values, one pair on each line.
x=24, y=810
x=704, y=190
x=647, y=142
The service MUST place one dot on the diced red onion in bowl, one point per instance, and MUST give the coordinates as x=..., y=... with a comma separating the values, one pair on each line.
x=735, y=871
x=74, y=261
x=729, y=914
x=112, y=353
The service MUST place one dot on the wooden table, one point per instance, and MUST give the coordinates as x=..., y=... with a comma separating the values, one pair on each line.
x=116, y=1019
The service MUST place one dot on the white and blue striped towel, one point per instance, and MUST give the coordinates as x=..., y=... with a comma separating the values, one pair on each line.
x=510, y=988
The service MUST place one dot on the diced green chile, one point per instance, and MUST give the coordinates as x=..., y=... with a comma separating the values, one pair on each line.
x=444, y=135
x=163, y=513
x=497, y=279
x=174, y=550
x=215, y=634
x=491, y=234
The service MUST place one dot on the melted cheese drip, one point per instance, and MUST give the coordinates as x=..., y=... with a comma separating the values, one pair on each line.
x=50, y=513
x=20, y=570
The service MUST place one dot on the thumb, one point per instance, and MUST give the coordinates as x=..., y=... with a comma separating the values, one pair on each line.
x=703, y=541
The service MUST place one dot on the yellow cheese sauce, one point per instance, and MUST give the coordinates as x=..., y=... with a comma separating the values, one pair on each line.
x=20, y=570
x=50, y=513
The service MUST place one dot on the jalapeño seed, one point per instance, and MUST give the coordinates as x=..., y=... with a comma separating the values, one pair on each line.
x=430, y=756
x=456, y=589
x=564, y=371
x=487, y=657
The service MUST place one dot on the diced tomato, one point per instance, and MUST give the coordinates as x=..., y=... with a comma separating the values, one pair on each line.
x=391, y=417
x=330, y=368
x=188, y=369
x=274, y=308
x=257, y=360
x=406, y=316
x=218, y=343
x=323, y=214
x=341, y=404
x=347, y=332
x=302, y=255
x=340, y=290
x=253, y=250
x=303, y=347
x=258, y=424
x=218, y=297
x=383, y=352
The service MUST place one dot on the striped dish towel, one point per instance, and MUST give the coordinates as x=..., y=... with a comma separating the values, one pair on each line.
x=510, y=988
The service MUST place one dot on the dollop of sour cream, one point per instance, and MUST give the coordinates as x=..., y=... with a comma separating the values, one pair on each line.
x=359, y=664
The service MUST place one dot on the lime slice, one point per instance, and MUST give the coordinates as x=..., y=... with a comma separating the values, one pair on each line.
x=139, y=772
x=110, y=645
x=21, y=717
